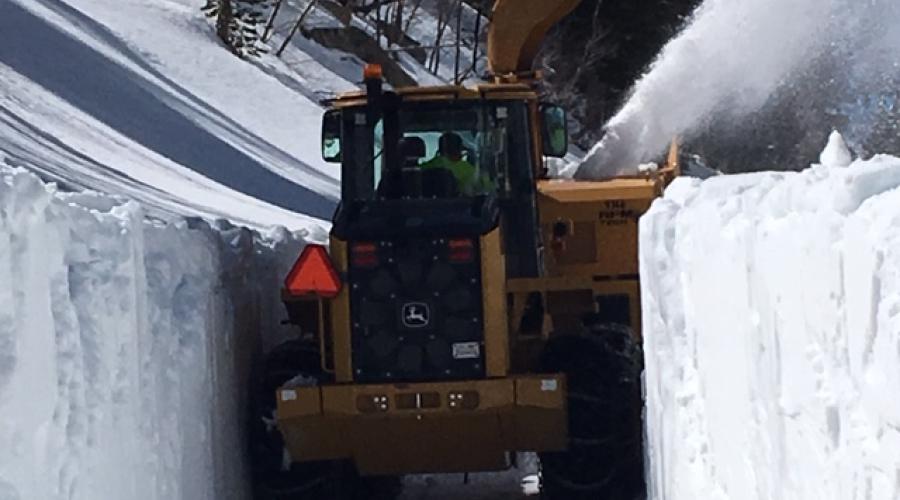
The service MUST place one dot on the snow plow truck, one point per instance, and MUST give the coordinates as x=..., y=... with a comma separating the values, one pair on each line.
x=467, y=307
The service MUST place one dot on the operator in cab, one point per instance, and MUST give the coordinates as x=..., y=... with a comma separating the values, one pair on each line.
x=450, y=157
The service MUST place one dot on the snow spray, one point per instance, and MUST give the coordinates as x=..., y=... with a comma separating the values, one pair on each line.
x=731, y=57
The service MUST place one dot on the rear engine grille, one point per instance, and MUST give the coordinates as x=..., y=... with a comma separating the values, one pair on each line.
x=416, y=310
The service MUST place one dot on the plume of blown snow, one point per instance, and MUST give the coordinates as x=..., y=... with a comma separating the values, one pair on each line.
x=731, y=58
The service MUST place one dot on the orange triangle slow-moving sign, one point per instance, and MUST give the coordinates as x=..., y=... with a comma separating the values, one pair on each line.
x=313, y=273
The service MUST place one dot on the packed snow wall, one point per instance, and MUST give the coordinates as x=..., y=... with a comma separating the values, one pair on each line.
x=125, y=347
x=772, y=335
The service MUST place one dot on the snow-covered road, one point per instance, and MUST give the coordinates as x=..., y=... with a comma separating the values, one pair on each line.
x=501, y=486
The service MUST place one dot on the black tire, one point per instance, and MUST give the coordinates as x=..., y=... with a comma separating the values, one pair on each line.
x=604, y=460
x=274, y=479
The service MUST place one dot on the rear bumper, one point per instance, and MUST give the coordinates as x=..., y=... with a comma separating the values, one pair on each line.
x=425, y=427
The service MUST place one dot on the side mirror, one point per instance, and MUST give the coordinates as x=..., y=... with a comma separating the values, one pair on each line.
x=554, y=131
x=331, y=136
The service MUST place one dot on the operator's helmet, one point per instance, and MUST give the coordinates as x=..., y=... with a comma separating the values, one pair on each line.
x=412, y=149
x=450, y=144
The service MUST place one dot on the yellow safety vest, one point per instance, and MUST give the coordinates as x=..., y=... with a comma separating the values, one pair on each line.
x=463, y=171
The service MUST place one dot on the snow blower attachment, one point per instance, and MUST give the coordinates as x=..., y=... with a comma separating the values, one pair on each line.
x=439, y=335
x=517, y=30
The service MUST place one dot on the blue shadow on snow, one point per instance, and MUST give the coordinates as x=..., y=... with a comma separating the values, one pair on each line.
x=119, y=98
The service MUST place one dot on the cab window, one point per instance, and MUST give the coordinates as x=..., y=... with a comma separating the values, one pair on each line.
x=446, y=149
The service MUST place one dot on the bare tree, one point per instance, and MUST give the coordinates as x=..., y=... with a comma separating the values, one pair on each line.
x=377, y=23
x=267, y=33
x=476, y=36
x=309, y=8
x=445, y=10
x=459, y=9
x=398, y=18
x=412, y=15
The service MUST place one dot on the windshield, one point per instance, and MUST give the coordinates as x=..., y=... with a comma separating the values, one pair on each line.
x=444, y=150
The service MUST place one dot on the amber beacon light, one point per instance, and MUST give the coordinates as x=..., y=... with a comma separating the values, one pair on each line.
x=373, y=72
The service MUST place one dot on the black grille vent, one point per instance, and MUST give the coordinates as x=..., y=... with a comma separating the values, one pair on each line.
x=614, y=309
x=416, y=311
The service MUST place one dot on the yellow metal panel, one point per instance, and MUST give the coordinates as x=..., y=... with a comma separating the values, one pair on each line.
x=573, y=281
x=564, y=190
x=427, y=443
x=633, y=289
x=517, y=29
x=542, y=391
x=538, y=422
x=496, y=328
x=316, y=438
x=602, y=221
x=341, y=400
x=617, y=243
x=514, y=414
x=340, y=316
x=299, y=402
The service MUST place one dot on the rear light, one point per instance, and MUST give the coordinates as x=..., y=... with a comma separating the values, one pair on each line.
x=461, y=250
x=364, y=255
x=313, y=274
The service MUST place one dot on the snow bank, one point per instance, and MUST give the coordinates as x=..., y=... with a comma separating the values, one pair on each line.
x=772, y=335
x=125, y=347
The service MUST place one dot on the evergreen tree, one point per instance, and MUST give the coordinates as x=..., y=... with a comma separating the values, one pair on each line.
x=238, y=24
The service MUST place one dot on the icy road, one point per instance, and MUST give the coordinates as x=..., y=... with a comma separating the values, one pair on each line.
x=499, y=486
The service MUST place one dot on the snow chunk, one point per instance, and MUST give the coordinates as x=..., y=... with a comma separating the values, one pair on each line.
x=300, y=381
x=647, y=168
x=836, y=154
x=771, y=322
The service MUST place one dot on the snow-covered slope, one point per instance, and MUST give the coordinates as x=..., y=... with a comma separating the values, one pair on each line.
x=138, y=98
x=125, y=347
x=772, y=334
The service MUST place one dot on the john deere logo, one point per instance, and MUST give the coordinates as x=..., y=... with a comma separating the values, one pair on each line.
x=416, y=315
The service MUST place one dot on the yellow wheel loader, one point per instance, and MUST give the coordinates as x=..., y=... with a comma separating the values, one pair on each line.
x=467, y=308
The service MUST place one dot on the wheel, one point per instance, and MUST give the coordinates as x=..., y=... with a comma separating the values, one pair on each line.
x=604, y=460
x=275, y=476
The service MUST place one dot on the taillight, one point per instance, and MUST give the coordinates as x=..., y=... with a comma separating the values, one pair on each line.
x=461, y=250
x=364, y=255
x=313, y=274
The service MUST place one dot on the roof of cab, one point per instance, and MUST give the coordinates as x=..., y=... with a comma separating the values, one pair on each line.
x=517, y=91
